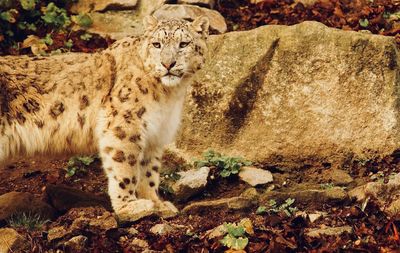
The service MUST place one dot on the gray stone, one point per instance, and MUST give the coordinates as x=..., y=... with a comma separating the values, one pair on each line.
x=295, y=94
x=191, y=12
x=16, y=203
x=11, y=241
x=205, y=3
x=191, y=182
x=328, y=231
x=254, y=176
x=85, y=6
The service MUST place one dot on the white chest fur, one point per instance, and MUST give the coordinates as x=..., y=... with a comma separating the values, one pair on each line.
x=163, y=121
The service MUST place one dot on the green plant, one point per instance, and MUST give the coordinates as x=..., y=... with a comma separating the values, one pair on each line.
x=227, y=165
x=20, y=19
x=364, y=22
x=327, y=186
x=78, y=164
x=236, y=237
x=285, y=207
x=27, y=220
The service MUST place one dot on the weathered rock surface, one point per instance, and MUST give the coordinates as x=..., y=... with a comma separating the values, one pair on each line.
x=191, y=182
x=246, y=200
x=293, y=94
x=254, y=176
x=205, y=3
x=84, y=6
x=386, y=195
x=76, y=220
x=337, y=177
x=14, y=203
x=11, y=241
x=307, y=194
x=331, y=231
x=190, y=12
x=64, y=198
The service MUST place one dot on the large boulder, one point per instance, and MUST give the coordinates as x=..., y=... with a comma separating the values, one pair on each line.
x=295, y=93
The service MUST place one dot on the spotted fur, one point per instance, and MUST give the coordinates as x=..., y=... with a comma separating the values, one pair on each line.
x=124, y=103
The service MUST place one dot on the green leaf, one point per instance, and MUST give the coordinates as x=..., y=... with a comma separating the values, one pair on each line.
x=83, y=20
x=71, y=171
x=48, y=40
x=27, y=26
x=69, y=44
x=9, y=16
x=235, y=243
x=86, y=36
x=261, y=210
x=364, y=22
x=28, y=4
x=56, y=16
x=86, y=160
x=234, y=229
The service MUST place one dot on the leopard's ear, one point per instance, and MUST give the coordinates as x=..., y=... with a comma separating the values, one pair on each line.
x=201, y=25
x=150, y=22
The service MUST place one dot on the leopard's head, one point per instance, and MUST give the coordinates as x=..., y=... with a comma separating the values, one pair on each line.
x=174, y=49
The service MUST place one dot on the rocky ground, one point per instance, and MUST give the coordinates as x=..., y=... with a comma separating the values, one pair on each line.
x=61, y=206
x=228, y=204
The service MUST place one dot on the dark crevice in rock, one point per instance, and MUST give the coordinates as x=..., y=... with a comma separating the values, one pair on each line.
x=246, y=93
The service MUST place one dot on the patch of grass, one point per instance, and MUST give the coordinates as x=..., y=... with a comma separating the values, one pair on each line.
x=27, y=221
x=226, y=165
x=286, y=207
x=327, y=186
x=78, y=164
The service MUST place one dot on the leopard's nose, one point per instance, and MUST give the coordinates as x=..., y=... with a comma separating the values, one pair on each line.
x=169, y=65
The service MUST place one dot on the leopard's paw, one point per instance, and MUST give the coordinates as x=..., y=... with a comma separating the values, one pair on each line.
x=167, y=210
x=136, y=210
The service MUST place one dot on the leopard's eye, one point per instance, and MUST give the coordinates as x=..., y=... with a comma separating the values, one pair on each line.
x=183, y=44
x=156, y=44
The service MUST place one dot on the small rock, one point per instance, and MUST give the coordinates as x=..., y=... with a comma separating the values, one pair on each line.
x=64, y=198
x=140, y=243
x=191, y=12
x=77, y=243
x=338, y=177
x=382, y=193
x=316, y=216
x=14, y=203
x=330, y=231
x=85, y=6
x=254, y=176
x=161, y=229
x=244, y=201
x=206, y=3
x=11, y=241
x=133, y=231
x=190, y=183
x=306, y=2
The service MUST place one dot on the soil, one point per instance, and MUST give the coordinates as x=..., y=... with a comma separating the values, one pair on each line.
x=273, y=232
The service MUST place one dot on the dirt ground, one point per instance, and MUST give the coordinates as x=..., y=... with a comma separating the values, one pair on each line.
x=373, y=231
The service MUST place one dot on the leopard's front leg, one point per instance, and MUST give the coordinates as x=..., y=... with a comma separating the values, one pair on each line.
x=119, y=151
x=150, y=164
